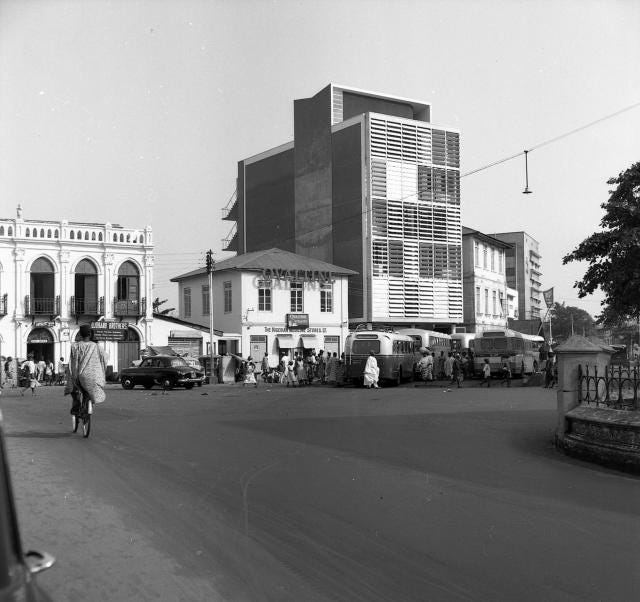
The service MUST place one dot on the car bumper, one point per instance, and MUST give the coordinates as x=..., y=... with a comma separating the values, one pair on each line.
x=193, y=380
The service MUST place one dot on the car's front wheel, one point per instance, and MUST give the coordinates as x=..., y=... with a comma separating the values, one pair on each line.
x=167, y=383
x=127, y=383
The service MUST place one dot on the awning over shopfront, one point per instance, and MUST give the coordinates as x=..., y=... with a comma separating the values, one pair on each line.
x=185, y=334
x=310, y=341
x=287, y=341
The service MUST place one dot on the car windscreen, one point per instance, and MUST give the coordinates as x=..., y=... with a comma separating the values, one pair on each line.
x=365, y=346
x=178, y=362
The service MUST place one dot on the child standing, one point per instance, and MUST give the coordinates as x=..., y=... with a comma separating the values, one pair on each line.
x=486, y=373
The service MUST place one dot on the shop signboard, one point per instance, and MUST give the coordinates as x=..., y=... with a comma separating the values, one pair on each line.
x=109, y=331
x=297, y=321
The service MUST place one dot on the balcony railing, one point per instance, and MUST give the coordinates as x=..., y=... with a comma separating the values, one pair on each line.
x=130, y=307
x=3, y=304
x=41, y=306
x=87, y=307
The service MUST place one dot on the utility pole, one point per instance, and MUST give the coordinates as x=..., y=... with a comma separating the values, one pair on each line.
x=209, y=263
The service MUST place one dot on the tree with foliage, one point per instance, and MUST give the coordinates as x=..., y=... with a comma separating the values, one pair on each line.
x=567, y=319
x=614, y=253
x=156, y=307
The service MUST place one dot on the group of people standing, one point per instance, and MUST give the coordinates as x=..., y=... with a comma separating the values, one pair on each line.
x=453, y=367
x=31, y=374
x=303, y=370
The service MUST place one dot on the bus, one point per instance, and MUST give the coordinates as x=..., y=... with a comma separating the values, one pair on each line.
x=463, y=342
x=395, y=353
x=432, y=340
x=521, y=350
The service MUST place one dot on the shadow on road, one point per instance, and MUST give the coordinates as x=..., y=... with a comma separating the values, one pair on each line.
x=38, y=435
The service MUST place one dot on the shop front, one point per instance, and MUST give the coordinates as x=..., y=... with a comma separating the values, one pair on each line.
x=40, y=344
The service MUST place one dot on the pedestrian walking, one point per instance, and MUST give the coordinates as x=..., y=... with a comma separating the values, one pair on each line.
x=9, y=372
x=264, y=367
x=486, y=373
x=87, y=368
x=341, y=372
x=548, y=373
x=371, y=372
x=322, y=367
x=506, y=373
x=425, y=365
x=60, y=372
x=41, y=366
x=290, y=375
x=250, y=373
x=332, y=364
x=301, y=371
x=48, y=373
x=29, y=375
x=457, y=375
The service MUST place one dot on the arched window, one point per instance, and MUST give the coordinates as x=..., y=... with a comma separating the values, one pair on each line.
x=115, y=238
x=93, y=236
x=72, y=235
x=85, y=300
x=10, y=231
x=86, y=235
x=1, y=230
x=34, y=233
x=122, y=238
x=55, y=234
x=27, y=233
x=100, y=236
x=49, y=233
x=79, y=235
x=41, y=232
x=42, y=286
x=128, y=290
x=128, y=237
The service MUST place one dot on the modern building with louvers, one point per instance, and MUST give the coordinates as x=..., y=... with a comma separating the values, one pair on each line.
x=371, y=184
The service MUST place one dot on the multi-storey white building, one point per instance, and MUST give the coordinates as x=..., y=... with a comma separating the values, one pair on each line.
x=371, y=184
x=524, y=273
x=488, y=301
x=57, y=275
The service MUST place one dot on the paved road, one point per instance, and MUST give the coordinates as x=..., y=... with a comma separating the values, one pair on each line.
x=225, y=493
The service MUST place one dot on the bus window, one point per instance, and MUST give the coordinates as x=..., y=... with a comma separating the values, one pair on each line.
x=364, y=347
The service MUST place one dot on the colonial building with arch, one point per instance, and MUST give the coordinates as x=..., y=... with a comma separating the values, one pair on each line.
x=57, y=275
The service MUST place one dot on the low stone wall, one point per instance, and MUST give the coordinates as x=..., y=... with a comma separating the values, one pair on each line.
x=603, y=435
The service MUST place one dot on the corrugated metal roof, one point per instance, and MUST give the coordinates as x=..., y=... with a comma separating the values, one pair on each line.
x=270, y=259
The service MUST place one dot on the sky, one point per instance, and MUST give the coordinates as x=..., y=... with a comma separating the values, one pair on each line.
x=136, y=112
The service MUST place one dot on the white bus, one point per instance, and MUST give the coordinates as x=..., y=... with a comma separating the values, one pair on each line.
x=432, y=340
x=522, y=351
x=395, y=353
x=463, y=342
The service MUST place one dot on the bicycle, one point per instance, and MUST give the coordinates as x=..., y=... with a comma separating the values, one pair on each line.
x=84, y=415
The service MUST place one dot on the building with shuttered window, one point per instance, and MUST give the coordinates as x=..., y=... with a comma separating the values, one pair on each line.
x=371, y=184
x=58, y=275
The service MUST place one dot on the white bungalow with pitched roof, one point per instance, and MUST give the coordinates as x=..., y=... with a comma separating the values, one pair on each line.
x=270, y=301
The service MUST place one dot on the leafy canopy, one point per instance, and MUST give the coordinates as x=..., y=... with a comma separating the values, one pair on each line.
x=613, y=254
x=567, y=320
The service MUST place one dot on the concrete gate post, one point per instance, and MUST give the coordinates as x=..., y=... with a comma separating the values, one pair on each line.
x=576, y=351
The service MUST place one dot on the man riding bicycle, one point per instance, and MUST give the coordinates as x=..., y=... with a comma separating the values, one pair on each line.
x=87, y=367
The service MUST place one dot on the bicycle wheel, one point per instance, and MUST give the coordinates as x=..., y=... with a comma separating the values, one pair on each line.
x=86, y=425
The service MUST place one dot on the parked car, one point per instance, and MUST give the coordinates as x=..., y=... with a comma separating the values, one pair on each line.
x=17, y=570
x=167, y=371
x=197, y=366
